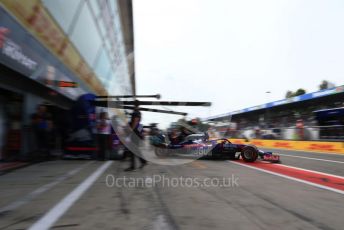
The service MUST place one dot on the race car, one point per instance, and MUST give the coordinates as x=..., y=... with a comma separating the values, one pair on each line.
x=219, y=149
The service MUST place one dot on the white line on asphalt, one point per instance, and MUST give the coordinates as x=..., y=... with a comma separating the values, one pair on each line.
x=161, y=223
x=26, y=199
x=62, y=207
x=311, y=158
x=291, y=178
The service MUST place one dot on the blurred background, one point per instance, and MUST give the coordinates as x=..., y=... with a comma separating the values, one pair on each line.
x=251, y=91
x=52, y=52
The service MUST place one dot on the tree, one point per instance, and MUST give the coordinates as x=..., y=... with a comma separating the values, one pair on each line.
x=300, y=92
x=326, y=85
x=289, y=94
x=323, y=85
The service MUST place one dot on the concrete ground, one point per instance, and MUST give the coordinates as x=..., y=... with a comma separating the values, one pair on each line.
x=78, y=194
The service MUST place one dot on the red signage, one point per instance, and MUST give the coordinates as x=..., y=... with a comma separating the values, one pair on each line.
x=283, y=145
x=67, y=84
x=322, y=147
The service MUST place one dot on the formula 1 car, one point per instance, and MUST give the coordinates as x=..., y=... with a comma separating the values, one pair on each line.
x=220, y=149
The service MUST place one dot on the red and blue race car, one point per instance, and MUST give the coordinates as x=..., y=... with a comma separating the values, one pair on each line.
x=196, y=145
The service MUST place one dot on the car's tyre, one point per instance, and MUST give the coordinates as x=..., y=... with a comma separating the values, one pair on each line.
x=160, y=150
x=249, y=153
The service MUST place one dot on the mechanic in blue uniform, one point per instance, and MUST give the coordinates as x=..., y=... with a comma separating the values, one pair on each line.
x=135, y=137
x=42, y=126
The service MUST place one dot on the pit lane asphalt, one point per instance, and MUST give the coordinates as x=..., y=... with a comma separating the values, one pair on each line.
x=260, y=201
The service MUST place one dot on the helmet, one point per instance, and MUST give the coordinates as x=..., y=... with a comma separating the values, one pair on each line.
x=136, y=114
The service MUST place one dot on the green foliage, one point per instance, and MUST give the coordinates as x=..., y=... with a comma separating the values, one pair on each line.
x=289, y=94
x=298, y=92
x=324, y=85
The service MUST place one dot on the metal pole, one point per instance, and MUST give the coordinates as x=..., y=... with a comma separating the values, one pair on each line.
x=157, y=96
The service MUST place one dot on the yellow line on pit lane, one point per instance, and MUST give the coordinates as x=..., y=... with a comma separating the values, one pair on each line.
x=199, y=165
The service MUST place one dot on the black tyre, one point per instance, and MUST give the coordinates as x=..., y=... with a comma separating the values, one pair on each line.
x=249, y=153
x=160, y=150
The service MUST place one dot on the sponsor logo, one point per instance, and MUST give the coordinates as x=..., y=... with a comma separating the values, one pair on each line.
x=258, y=143
x=322, y=147
x=14, y=51
x=237, y=142
x=286, y=145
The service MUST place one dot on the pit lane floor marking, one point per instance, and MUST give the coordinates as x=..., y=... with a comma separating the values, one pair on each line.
x=199, y=165
x=311, y=158
x=313, y=171
x=54, y=214
x=161, y=223
x=32, y=195
x=313, y=178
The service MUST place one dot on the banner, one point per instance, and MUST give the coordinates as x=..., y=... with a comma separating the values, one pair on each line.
x=304, y=97
x=35, y=18
x=23, y=53
x=309, y=146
